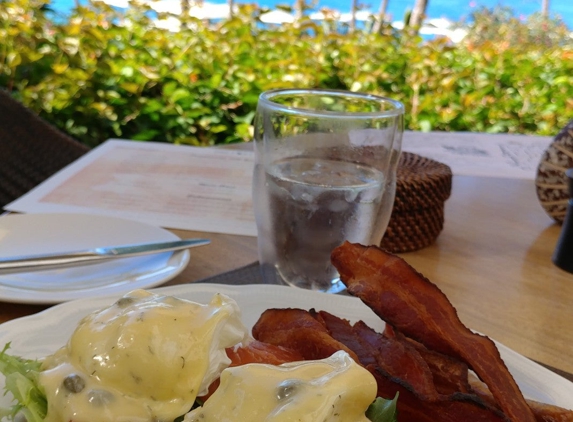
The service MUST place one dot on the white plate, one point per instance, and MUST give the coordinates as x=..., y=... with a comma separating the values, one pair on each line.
x=28, y=234
x=47, y=331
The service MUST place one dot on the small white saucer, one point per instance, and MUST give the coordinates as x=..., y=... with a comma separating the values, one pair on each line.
x=29, y=234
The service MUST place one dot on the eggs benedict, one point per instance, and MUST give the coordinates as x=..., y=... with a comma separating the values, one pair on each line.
x=144, y=358
x=152, y=358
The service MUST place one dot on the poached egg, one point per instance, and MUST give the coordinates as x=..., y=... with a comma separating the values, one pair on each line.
x=335, y=389
x=145, y=358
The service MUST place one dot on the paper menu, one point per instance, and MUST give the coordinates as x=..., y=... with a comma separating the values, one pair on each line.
x=481, y=154
x=174, y=186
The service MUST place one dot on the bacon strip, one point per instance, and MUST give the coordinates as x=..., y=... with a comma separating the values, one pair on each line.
x=450, y=375
x=401, y=361
x=398, y=360
x=409, y=302
x=297, y=329
x=341, y=330
x=542, y=412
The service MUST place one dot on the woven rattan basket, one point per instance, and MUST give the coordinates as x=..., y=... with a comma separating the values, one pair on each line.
x=422, y=187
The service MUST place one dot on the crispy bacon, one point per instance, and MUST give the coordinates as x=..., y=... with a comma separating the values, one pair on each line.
x=399, y=360
x=542, y=412
x=297, y=329
x=450, y=375
x=397, y=370
x=416, y=307
x=341, y=330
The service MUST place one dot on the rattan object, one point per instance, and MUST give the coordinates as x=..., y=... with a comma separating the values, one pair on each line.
x=551, y=182
x=422, y=187
x=31, y=150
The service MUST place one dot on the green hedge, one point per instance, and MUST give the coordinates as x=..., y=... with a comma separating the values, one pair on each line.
x=100, y=73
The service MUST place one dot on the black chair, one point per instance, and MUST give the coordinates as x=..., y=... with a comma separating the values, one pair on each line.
x=31, y=150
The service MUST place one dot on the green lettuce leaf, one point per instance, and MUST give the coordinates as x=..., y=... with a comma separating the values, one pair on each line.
x=383, y=410
x=22, y=381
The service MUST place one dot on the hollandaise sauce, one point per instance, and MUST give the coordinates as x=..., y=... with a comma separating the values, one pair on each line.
x=332, y=389
x=145, y=358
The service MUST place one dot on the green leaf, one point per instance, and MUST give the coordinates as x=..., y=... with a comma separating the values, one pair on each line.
x=169, y=88
x=152, y=106
x=14, y=59
x=216, y=80
x=383, y=410
x=146, y=135
x=131, y=87
x=563, y=80
x=22, y=382
x=218, y=128
x=59, y=68
x=179, y=94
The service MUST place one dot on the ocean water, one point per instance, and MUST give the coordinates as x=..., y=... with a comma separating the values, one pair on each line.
x=454, y=10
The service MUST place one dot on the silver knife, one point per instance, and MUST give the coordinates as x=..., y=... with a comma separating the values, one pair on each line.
x=20, y=264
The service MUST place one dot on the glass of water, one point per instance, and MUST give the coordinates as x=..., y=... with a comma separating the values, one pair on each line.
x=325, y=173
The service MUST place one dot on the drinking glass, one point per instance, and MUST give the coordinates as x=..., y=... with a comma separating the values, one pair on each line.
x=325, y=172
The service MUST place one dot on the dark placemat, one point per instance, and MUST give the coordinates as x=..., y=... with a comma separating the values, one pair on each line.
x=251, y=274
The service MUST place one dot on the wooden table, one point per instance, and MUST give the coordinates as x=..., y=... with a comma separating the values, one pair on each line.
x=493, y=260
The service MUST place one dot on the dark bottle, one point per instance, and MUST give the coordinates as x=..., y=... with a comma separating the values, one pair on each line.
x=563, y=255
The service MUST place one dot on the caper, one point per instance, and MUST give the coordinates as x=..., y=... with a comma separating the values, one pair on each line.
x=74, y=383
x=124, y=301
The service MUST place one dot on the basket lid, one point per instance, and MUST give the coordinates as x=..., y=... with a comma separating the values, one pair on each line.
x=421, y=183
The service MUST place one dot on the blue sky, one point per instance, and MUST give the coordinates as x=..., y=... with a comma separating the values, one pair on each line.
x=452, y=9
